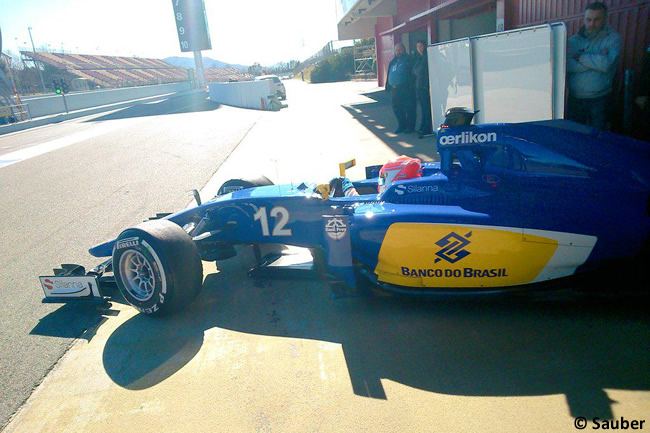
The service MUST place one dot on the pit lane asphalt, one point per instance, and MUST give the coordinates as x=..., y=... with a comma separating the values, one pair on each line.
x=137, y=161
x=284, y=356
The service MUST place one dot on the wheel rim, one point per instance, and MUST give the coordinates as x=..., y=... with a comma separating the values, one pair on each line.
x=137, y=275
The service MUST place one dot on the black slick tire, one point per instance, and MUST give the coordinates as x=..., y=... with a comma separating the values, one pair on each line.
x=157, y=267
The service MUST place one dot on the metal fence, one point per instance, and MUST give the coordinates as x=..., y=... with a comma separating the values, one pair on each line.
x=14, y=113
x=365, y=61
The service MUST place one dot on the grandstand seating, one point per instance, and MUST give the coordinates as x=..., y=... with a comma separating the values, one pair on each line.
x=113, y=71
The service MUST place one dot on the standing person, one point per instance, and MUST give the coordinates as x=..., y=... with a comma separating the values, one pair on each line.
x=592, y=56
x=399, y=83
x=421, y=78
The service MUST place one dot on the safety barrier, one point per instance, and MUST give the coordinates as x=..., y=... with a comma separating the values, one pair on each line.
x=246, y=94
x=47, y=105
x=14, y=113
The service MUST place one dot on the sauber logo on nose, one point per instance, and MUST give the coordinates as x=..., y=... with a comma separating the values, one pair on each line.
x=452, y=247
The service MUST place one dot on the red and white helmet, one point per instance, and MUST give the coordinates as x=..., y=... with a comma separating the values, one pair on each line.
x=402, y=167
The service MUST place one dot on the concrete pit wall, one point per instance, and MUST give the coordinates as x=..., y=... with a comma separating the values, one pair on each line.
x=48, y=105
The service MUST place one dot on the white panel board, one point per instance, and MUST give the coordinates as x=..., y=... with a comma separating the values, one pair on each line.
x=559, y=69
x=450, y=77
x=513, y=75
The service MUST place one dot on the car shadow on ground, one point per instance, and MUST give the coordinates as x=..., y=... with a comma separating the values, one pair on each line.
x=378, y=117
x=192, y=103
x=74, y=321
x=514, y=346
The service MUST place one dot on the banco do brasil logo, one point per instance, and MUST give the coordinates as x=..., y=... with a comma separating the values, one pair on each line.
x=452, y=247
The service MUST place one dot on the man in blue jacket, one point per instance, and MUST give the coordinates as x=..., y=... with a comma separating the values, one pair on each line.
x=399, y=83
x=592, y=56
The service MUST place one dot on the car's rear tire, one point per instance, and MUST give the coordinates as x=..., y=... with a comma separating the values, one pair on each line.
x=233, y=185
x=157, y=267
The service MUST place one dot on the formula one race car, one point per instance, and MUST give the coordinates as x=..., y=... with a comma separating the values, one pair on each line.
x=507, y=207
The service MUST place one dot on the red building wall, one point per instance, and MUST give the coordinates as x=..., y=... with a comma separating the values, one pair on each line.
x=407, y=9
x=384, y=47
x=630, y=18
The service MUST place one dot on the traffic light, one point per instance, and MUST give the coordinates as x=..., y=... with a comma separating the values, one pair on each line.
x=57, y=86
x=60, y=86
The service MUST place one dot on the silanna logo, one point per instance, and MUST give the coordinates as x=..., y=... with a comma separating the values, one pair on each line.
x=415, y=189
x=452, y=247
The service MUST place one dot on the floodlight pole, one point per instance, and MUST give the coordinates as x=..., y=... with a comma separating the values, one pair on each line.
x=198, y=61
x=37, y=67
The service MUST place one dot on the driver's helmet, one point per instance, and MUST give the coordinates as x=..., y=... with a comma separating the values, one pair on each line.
x=402, y=167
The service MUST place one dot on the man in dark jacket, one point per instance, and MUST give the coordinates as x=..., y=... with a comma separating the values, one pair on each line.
x=421, y=78
x=399, y=83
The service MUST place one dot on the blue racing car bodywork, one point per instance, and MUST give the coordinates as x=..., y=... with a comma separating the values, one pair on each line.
x=508, y=205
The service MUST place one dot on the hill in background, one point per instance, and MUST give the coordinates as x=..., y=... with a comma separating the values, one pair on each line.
x=188, y=62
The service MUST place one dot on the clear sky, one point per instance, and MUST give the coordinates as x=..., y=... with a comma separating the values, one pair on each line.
x=241, y=31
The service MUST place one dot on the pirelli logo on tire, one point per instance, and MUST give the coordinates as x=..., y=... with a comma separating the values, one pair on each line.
x=127, y=243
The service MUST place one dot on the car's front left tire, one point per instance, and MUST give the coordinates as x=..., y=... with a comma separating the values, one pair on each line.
x=157, y=267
